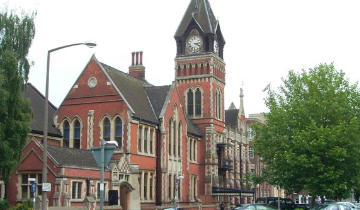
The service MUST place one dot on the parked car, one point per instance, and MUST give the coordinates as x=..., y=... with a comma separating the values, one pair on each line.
x=255, y=206
x=285, y=203
x=336, y=206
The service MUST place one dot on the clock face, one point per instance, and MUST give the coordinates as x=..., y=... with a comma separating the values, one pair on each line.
x=216, y=47
x=194, y=44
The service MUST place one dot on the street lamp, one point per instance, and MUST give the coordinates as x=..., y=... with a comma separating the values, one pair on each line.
x=46, y=117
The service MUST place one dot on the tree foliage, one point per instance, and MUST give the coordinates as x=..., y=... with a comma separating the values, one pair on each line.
x=311, y=138
x=16, y=35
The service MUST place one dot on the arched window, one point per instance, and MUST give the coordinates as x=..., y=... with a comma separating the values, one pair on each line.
x=218, y=104
x=66, y=129
x=118, y=131
x=190, y=102
x=198, y=102
x=179, y=139
x=170, y=136
x=77, y=134
x=106, y=129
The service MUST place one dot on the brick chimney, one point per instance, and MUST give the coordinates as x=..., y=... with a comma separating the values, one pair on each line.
x=137, y=69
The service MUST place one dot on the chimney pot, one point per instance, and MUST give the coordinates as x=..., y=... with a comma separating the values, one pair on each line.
x=141, y=57
x=137, y=58
x=133, y=56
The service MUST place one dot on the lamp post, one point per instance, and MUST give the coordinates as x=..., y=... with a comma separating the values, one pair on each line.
x=46, y=117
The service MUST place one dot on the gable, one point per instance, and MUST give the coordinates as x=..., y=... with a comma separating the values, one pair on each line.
x=31, y=162
x=92, y=82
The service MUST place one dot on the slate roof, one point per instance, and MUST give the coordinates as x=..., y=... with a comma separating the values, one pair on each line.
x=69, y=157
x=231, y=116
x=134, y=92
x=157, y=96
x=37, y=101
x=146, y=100
x=201, y=12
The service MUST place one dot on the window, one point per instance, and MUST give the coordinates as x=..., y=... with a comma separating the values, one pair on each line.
x=98, y=190
x=77, y=134
x=170, y=136
x=218, y=104
x=26, y=185
x=190, y=102
x=76, y=190
x=145, y=139
x=118, y=131
x=106, y=131
x=147, y=185
x=251, y=152
x=193, y=187
x=250, y=133
x=179, y=140
x=139, y=138
x=192, y=149
x=151, y=186
x=66, y=129
x=194, y=109
x=198, y=102
x=151, y=141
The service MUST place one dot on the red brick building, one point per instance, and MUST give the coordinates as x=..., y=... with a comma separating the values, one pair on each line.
x=174, y=141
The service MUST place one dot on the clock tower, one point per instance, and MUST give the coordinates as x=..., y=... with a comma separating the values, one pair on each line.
x=200, y=79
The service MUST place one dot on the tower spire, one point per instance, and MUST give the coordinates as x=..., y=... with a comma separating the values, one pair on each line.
x=241, y=108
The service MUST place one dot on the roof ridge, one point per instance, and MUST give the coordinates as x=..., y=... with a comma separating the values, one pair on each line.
x=144, y=82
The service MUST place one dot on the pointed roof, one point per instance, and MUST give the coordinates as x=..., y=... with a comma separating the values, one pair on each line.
x=157, y=96
x=200, y=11
x=37, y=101
x=232, y=106
x=231, y=117
x=133, y=91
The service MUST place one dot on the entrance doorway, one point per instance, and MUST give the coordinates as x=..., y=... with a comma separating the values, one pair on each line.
x=125, y=189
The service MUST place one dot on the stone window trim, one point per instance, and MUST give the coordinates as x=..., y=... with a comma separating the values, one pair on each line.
x=192, y=150
x=106, y=190
x=218, y=104
x=71, y=122
x=193, y=90
x=251, y=153
x=172, y=179
x=175, y=139
x=193, y=187
x=150, y=140
x=26, y=184
x=75, y=184
x=148, y=191
x=112, y=120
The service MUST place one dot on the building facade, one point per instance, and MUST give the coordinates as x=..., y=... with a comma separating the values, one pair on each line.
x=176, y=143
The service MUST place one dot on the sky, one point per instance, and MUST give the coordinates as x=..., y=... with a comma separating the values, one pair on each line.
x=264, y=40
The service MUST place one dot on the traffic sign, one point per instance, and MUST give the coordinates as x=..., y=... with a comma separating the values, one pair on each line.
x=46, y=187
x=108, y=152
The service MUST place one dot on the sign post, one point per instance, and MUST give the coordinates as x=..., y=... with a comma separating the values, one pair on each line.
x=33, y=189
x=103, y=156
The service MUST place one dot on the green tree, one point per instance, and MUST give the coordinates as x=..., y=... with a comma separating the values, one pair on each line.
x=311, y=138
x=16, y=35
